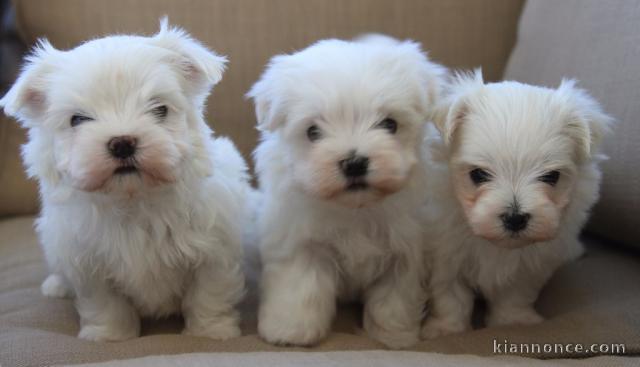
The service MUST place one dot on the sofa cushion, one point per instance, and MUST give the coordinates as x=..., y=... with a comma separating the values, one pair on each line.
x=595, y=42
x=458, y=33
x=595, y=300
x=374, y=358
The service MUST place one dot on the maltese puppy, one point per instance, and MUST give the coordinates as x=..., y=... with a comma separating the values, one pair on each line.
x=513, y=182
x=341, y=169
x=141, y=208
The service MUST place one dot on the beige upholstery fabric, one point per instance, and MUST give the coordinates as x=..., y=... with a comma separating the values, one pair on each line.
x=357, y=359
x=17, y=194
x=459, y=33
x=596, y=42
x=595, y=300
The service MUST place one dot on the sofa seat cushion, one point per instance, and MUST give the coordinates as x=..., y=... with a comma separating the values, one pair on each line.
x=595, y=300
x=370, y=358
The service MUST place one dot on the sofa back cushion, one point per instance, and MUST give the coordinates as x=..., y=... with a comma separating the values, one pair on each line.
x=598, y=43
x=249, y=32
x=457, y=33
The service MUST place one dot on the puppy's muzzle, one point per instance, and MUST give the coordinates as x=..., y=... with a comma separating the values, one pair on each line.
x=122, y=147
x=515, y=222
x=355, y=168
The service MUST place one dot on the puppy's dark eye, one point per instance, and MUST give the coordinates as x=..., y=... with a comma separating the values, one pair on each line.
x=550, y=178
x=388, y=124
x=314, y=133
x=78, y=119
x=160, y=111
x=479, y=176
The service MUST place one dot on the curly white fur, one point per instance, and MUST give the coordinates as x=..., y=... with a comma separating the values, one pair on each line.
x=516, y=133
x=321, y=241
x=164, y=239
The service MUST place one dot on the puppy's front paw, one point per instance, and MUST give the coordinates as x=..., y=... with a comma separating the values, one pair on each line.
x=394, y=339
x=514, y=316
x=108, y=333
x=303, y=331
x=221, y=328
x=435, y=327
x=55, y=286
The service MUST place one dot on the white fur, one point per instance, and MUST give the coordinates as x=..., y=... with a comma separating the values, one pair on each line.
x=163, y=240
x=518, y=133
x=320, y=242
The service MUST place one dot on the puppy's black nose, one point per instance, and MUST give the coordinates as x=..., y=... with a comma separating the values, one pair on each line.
x=515, y=222
x=354, y=166
x=122, y=147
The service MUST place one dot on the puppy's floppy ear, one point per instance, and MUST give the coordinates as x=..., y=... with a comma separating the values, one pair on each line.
x=453, y=109
x=268, y=100
x=201, y=67
x=586, y=122
x=26, y=100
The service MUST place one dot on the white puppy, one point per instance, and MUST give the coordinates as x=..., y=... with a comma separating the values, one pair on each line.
x=341, y=168
x=514, y=184
x=141, y=208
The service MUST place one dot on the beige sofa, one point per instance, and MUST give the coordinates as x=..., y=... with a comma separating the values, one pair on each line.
x=595, y=300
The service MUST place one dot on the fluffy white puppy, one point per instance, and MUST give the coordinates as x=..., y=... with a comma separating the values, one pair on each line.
x=341, y=168
x=141, y=208
x=515, y=180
